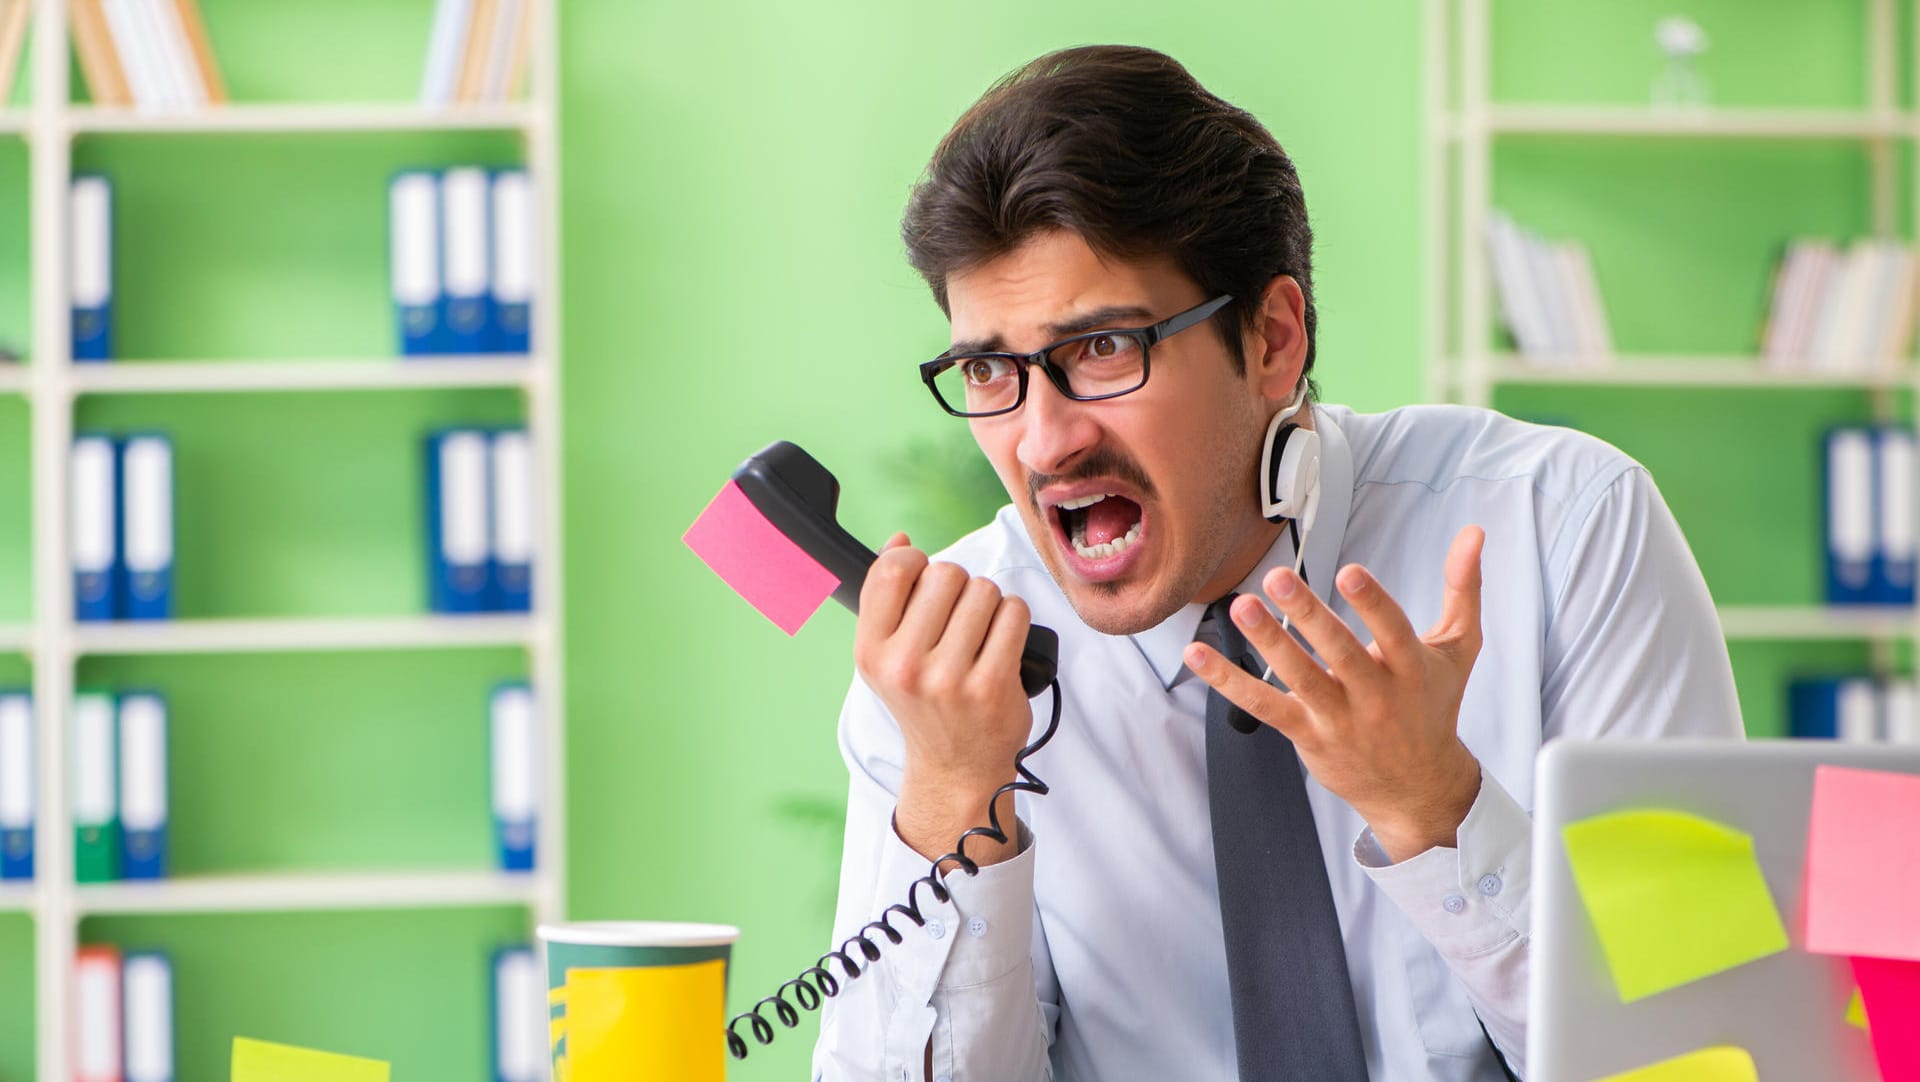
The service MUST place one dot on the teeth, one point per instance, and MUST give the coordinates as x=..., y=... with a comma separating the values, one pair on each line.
x=1084, y=501
x=1111, y=548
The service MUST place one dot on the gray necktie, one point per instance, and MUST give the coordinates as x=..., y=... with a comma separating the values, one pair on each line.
x=1293, y=1014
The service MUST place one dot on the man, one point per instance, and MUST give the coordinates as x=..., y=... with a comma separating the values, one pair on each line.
x=1342, y=892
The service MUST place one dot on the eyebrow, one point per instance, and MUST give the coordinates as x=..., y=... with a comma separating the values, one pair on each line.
x=1112, y=317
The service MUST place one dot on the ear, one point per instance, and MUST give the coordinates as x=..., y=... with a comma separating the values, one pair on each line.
x=1277, y=345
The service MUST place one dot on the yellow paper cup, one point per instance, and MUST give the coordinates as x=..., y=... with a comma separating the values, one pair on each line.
x=637, y=1000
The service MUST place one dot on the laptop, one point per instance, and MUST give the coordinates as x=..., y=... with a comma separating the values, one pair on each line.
x=1788, y=1009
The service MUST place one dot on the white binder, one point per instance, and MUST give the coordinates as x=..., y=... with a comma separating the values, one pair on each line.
x=149, y=1024
x=97, y=1004
x=465, y=256
x=93, y=527
x=413, y=226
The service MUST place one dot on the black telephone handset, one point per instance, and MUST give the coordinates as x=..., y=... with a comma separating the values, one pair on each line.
x=800, y=498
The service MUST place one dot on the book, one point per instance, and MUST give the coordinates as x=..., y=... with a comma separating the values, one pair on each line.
x=446, y=47
x=13, y=42
x=99, y=60
x=176, y=54
x=213, y=87
x=473, y=62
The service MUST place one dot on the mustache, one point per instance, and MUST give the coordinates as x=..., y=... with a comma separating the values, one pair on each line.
x=1102, y=463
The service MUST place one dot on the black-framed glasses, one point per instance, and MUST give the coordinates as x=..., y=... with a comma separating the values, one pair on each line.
x=1086, y=368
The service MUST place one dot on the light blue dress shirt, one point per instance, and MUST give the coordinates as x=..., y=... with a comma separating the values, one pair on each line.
x=1096, y=953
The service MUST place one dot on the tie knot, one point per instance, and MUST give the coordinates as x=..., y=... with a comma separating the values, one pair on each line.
x=1218, y=631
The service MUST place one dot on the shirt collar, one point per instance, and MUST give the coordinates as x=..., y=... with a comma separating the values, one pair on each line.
x=1163, y=644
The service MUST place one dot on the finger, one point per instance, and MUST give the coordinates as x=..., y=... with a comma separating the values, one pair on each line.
x=967, y=625
x=930, y=606
x=898, y=540
x=1325, y=632
x=1381, y=614
x=883, y=597
x=1460, y=602
x=1289, y=661
x=1248, y=692
x=1006, y=637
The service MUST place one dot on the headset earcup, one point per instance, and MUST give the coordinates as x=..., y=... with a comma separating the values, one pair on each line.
x=1291, y=471
x=1274, y=486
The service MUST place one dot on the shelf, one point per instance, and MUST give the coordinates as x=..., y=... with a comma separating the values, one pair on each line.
x=1687, y=371
x=214, y=377
x=1708, y=123
x=1807, y=623
x=13, y=378
x=16, y=638
x=297, y=119
x=300, y=636
x=290, y=893
x=13, y=121
x=16, y=896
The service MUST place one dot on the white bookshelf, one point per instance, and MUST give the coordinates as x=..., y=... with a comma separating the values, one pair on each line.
x=51, y=385
x=1703, y=371
x=309, y=893
x=296, y=119
x=135, y=637
x=1707, y=123
x=1811, y=623
x=240, y=376
x=1463, y=123
x=16, y=638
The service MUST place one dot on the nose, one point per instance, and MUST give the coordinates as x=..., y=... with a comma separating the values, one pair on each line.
x=1055, y=429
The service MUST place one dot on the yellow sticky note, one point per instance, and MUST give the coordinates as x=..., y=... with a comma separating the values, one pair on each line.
x=1674, y=897
x=653, y=1022
x=1723, y=1063
x=262, y=1061
x=1857, y=1010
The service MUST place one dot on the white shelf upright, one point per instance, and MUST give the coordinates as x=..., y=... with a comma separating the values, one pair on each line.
x=1462, y=362
x=52, y=385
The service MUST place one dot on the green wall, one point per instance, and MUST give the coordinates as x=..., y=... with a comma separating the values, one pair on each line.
x=733, y=175
x=734, y=179
x=1685, y=235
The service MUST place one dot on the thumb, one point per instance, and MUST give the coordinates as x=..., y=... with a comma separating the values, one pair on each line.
x=1460, y=603
x=898, y=540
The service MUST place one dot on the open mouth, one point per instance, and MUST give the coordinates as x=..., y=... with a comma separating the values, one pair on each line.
x=1099, y=526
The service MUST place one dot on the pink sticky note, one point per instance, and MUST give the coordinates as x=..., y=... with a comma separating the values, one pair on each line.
x=1891, y=991
x=775, y=575
x=1863, y=866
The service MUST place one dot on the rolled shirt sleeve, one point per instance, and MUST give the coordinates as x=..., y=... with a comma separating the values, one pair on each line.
x=1634, y=650
x=962, y=983
x=1470, y=902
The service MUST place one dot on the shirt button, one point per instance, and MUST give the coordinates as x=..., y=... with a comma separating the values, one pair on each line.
x=976, y=928
x=1490, y=885
x=1453, y=903
x=936, y=929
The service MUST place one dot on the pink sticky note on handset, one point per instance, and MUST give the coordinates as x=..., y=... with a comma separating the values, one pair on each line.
x=1863, y=866
x=762, y=564
x=1891, y=992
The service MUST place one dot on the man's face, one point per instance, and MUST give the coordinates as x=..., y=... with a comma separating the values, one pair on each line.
x=1175, y=460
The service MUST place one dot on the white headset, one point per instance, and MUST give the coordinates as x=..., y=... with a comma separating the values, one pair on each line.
x=1290, y=468
x=1290, y=483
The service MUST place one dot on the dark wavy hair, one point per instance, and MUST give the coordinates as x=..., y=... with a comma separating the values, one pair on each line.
x=1122, y=146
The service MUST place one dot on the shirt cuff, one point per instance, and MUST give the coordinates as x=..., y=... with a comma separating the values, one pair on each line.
x=983, y=932
x=1472, y=898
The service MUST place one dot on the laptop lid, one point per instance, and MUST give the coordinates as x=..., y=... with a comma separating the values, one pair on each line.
x=1787, y=1009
